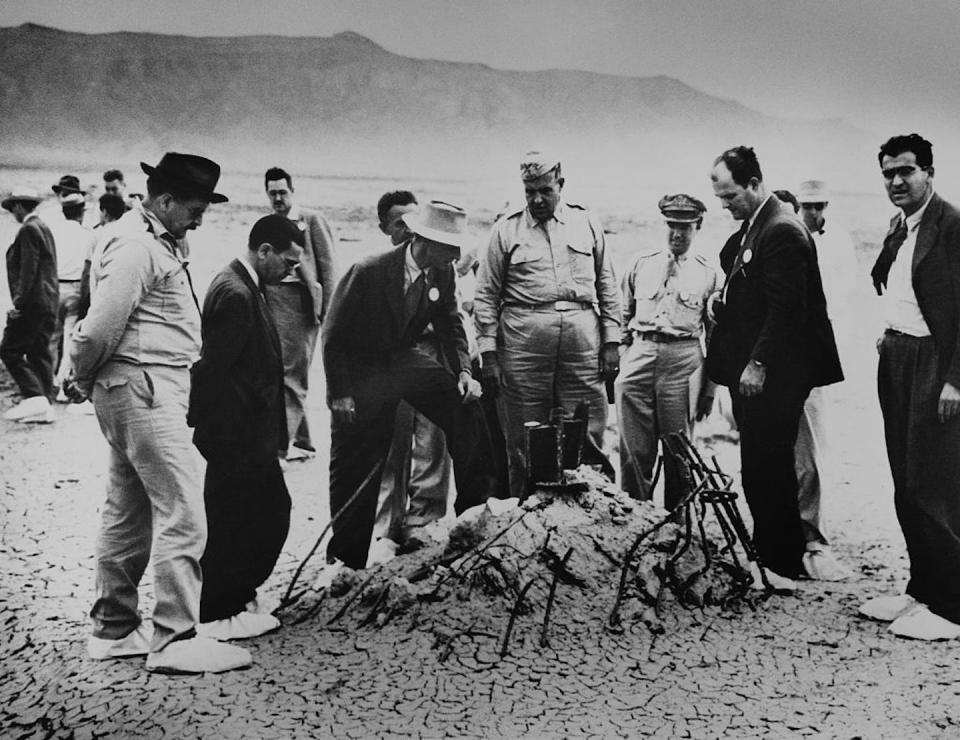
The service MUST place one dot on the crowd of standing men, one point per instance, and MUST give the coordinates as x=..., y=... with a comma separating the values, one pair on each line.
x=421, y=377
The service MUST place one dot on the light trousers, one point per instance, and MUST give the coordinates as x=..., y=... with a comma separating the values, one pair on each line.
x=653, y=393
x=154, y=502
x=551, y=359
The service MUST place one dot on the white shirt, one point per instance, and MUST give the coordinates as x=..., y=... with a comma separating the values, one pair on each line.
x=900, y=308
x=74, y=245
x=411, y=270
x=253, y=273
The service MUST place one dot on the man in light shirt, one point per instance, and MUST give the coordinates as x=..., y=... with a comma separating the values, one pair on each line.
x=547, y=310
x=299, y=305
x=917, y=277
x=814, y=453
x=132, y=354
x=74, y=244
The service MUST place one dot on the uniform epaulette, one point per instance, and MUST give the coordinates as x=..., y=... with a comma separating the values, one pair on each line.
x=511, y=214
x=577, y=206
x=652, y=253
x=701, y=259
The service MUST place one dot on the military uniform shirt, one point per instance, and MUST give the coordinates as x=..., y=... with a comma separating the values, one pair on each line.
x=667, y=295
x=532, y=264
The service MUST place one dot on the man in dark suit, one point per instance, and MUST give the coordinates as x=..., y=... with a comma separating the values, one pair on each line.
x=35, y=294
x=917, y=275
x=237, y=410
x=372, y=361
x=772, y=344
x=299, y=304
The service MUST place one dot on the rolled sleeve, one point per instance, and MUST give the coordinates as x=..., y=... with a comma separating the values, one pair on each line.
x=608, y=294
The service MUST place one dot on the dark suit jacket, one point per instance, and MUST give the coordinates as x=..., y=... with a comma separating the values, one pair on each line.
x=317, y=268
x=775, y=311
x=364, y=332
x=32, y=268
x=936, y=281
x=236, y=394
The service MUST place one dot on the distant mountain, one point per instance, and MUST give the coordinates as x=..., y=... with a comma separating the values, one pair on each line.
x=344, y=105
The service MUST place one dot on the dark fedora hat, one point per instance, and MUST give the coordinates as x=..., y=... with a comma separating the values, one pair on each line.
x=68, y=184
x=190, y=173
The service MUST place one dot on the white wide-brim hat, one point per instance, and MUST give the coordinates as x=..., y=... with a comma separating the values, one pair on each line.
x=439, y=222
x=813, y=191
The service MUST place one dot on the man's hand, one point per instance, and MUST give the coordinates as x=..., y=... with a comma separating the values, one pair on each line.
x=493, y=376
x=752, y=378
x=610, y=361
x=73, y=390
x=704, y=406
x=344, y=410
x=13, y=314
x=470, y=389
x=715, y=306
x=948, y=407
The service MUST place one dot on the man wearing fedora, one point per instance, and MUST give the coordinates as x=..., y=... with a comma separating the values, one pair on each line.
x=299, y=305
x=771, y=344
x=373, y=361
x=132, y=355
x=34, y=293
x=236, y=409
x=815, y=459
x=547, y=310
x=661, y=386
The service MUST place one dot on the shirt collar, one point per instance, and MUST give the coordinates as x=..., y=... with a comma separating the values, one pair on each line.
x=913, y=220
x=756, y=213
x=294, y=213
x=559, y=215
x=410, y=264
x=245, y=261
x=155, y=227
x=32, y=214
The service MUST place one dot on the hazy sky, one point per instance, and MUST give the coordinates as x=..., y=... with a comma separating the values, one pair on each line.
x=882, y=65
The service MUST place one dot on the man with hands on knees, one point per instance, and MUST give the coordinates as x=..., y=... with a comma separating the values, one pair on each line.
x=372, y=362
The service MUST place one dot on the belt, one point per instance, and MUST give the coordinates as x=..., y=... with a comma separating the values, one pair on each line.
x=659, y=336
x=78, y=280
x=895, y=333
x=555, y=305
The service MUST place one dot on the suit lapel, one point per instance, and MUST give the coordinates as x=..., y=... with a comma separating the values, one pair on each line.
x=393, y=284
x=928, y=232
x=748, y=249
x=260, y=302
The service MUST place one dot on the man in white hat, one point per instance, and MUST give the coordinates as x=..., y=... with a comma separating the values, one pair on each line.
x=372, y=361
x=547, y=309
x=814, y=461
x=32, y=277
x=75, y=244
x=661, y=387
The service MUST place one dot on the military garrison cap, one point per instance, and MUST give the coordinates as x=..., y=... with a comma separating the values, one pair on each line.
x=537, y=163
x=681, y=208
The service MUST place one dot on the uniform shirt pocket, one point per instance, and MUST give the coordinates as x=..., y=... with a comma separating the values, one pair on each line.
x=581, y=261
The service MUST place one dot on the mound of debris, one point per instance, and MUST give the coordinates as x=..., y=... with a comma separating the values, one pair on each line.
x=557, y=564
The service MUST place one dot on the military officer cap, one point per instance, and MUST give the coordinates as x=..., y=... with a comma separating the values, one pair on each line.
x=681, y=208
x=537, y=163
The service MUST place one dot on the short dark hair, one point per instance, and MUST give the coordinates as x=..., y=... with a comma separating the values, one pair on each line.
x=277, y=231
x=391, y=199
x=742, y=163
x=73, y=211
x=277, y=173
x=915, y=143
x=112, y=175
x=787, y=197
x=113, y=204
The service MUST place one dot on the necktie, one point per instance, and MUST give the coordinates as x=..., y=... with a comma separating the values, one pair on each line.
x=891, y=245
x=672, y=267
x=413, y=298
